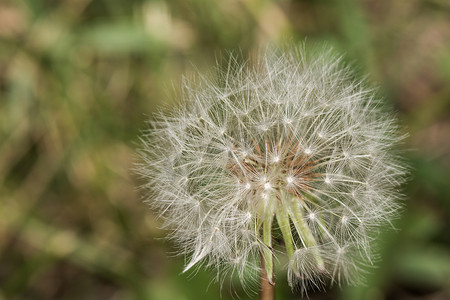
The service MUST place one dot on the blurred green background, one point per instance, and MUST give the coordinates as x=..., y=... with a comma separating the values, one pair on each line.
x=78, y=80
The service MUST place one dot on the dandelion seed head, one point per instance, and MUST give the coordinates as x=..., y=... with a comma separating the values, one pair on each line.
x=293, y=138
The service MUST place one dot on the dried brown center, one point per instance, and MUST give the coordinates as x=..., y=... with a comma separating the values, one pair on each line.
x=286, y=165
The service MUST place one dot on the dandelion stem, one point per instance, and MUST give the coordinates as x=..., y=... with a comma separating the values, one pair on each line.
x=285, y=227
x=267, y=287
x=304, y=231
x=267, y=251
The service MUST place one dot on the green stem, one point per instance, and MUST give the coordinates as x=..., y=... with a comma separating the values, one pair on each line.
x=304, y=231
x=285, y=227
x=267, y=252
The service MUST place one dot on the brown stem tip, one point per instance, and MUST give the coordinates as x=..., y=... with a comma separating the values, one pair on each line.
x=267, y=286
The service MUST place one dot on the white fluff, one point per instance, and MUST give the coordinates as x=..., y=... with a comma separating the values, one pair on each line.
x=289, y=134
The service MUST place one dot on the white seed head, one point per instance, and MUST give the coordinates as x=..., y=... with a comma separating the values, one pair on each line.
x=274, y=141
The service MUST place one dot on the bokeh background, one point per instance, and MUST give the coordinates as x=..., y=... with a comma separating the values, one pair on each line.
x=78, y=80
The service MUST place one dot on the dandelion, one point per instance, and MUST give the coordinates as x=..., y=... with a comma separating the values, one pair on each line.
x=289, y=156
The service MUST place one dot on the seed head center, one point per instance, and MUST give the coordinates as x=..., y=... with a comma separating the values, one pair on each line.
x=291, y=164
